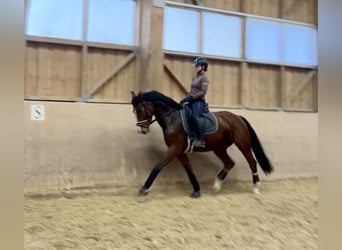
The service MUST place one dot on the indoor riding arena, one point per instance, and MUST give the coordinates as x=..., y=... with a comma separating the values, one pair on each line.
x=85, y=161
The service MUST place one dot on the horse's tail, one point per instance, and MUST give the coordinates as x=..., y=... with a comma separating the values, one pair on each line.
x=258, y=150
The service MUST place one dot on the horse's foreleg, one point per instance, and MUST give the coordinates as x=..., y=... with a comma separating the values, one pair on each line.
x=169, y=156
x=183, y=158
x=228, y=165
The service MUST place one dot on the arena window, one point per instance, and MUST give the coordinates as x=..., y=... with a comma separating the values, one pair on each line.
x=218, y=34
x=263, y=40
x=221, y=35
x=281, y=43
x=300, y=45
x=181, y=30
x=112, y=21
x=55, y=19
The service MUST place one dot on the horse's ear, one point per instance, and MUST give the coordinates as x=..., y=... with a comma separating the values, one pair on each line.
x=140, y=95
x=133, y=94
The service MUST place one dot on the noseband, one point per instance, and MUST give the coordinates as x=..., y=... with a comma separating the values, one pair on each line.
x=148, y=121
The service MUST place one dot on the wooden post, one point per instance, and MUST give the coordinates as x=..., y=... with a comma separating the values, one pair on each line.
x=243, y=82
x=282, y=70
x=243, y=65
x=280, y=8
x=282, y=85
x=156, y=59
x=145, y=7
x=84, y=56
x=315, y=94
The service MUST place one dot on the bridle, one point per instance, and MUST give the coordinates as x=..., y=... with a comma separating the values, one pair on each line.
x=149, y=121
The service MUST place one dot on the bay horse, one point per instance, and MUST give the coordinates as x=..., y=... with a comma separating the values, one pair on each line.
x=231, y=129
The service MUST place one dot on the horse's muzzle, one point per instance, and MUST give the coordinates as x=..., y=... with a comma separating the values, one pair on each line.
x=143, y=130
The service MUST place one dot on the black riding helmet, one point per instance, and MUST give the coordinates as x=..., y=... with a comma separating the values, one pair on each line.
x=199, y=61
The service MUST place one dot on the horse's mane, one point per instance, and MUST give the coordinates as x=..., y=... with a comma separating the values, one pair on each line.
x=154, y=95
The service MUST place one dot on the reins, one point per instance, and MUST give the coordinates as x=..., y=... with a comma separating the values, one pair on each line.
x=155, y=119
x=166, y=114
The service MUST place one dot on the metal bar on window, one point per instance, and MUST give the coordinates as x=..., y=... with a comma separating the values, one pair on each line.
x=171, y=52
x=79, y=43
x=200, y=32
x=234, y=13
x=53, y=40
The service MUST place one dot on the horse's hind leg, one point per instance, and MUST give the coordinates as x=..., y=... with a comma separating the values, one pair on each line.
x=228, y=165
x=247, y=153
x=183, y=158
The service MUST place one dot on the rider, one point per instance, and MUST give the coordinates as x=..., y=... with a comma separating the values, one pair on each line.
x=196, y=97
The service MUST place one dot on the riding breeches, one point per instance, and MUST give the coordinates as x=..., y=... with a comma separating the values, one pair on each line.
x=197, y=108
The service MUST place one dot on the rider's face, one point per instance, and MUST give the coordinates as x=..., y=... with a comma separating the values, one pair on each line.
x=198, y=68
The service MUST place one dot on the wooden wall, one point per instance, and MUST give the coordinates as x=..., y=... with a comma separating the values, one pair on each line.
x=99, y=64
x=52, y=70
x=57, y=71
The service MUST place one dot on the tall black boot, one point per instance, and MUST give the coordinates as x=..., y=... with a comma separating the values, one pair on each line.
x=200, y=143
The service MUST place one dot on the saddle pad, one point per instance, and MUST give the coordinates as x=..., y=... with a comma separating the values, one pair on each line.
x=210, y=121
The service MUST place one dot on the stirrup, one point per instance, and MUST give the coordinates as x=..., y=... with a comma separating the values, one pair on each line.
x=199, y=144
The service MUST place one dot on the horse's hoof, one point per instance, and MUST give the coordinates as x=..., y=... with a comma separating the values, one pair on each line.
x=143, y=192
x=217, y=185
x=256, y=188
x=196, y=194
x=256, y=191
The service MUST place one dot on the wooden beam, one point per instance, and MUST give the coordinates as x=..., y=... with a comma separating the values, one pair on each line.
x=53, y=40
x=110, y=46
x=194, y=2
x=25, y=10
x=280, y=8
x=199, y=3
x=49, y=98
x=242, y=6
x=156, y=59
x=289, y=9
x=301, y=86
x=79, y=43
x=282, y=86
x=189, y=1
x=103, y=81
x=243, y=64
x=315, y=95
x=243, y=82
x=315, y=10
x=84, y=56
x=179, y=83
x=144, y=68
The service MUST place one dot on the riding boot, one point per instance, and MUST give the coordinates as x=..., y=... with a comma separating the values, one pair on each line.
x=200, y=143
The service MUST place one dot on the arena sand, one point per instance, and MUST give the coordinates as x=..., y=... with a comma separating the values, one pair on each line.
x=284, y=216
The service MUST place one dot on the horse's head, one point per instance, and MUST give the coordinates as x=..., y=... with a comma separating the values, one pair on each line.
x=143, y=111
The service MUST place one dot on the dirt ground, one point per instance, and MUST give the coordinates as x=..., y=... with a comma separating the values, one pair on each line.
x=283, y=216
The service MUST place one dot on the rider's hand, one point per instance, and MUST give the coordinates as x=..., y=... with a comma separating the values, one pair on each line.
x=187, y=99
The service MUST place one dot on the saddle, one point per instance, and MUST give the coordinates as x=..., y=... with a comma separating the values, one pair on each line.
x=209, y=122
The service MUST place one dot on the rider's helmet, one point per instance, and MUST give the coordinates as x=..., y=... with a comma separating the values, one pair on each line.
x=199, y=61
